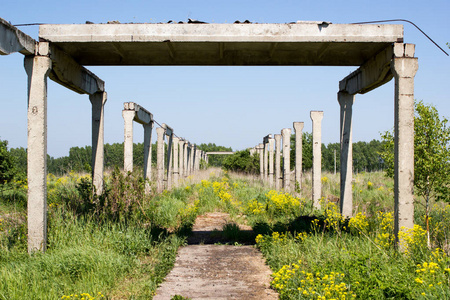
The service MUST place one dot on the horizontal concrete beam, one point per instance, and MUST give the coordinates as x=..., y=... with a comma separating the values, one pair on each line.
x=142, y=115
x=13, y=40
x=266, y=138
x=220, y=153
x=169, y=130
x=67, y=72
x=372, y=74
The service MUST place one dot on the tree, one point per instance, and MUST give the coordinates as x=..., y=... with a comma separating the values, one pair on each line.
x=7, y=169
x=215, y=160
x=242, y=161
x=431, y=155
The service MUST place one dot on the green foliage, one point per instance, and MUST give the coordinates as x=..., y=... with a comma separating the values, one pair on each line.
x=214, y=160
x=431, y=153
x=242, y=161
x=7, y=169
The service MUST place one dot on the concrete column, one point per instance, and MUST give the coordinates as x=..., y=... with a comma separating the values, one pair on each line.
x=316, y=117
x=37, y=68
x=286, y=134
x=98, y=101
x=160, y=159
x=404, y=69
x=271, y=146
x=277, y=162
x=128, y=117
x=169, y=162
x=148, y=155
x=261, y=160
x=266, y=159
x=346, y=102
x=186, y=159
x=180, y=159
x=199, y=157
x=192, y=159
x=176, y=176
x=298, y=127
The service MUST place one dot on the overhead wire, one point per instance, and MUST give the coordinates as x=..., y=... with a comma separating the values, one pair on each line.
x=404, y=20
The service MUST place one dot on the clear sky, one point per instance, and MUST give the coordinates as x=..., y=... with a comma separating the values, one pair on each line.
x=229, y=106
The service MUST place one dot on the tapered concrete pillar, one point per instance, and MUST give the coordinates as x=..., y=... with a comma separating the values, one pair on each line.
x=199, y=157
x=346, y=102
x=175, y=176
x=404, y=66
x=271, y=167
x=266, y=158
x=286, y=135
x=37, y=68
x=261, y=160
x=277, y=161
x=160, y=159
x=180, y=160
x=192, y=159
x=186, y=159
x=298, y=127
x=316, y=117
x=169, y=163
x=148, y=155
x=98, y=101
x=128, y=116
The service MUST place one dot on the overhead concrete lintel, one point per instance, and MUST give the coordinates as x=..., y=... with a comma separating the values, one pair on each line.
x=220, y=153
x=67, y=72
x=13, y=40
x=142, y=115
x=168, y=129
x=372, y=74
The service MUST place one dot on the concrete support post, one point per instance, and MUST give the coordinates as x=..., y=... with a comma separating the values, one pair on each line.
x=186, y=159
x=277, y=162
x=180, y=160
x=316, y=117
x=98, y=101
x=128, y=117
x=271, y=148
x=261, y=161
x=148, y=155
x=286, y=135
x=175, y=161
x=404, y=69
x=160, y=159
x=266, y=159
x=169, y=161
x=298, y=127
x=197, y=161
x=346, y=102
x=192, y=159
x=37, y=68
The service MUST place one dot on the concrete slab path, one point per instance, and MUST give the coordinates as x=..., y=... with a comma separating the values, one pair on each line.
x=217, y=271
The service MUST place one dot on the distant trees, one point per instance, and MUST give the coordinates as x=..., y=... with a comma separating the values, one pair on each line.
x=242, y=161
x=214, y=160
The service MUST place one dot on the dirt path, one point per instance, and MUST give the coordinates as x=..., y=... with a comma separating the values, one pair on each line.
x=208, y=271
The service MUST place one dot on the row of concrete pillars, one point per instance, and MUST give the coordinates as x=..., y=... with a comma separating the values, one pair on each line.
x=180, y=160
x=278, y=175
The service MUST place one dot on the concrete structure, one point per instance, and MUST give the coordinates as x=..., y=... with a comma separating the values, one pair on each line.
x=181, y=159
x=298, y=127
x=160, y=159
x=261, y=160
x=377, y=50
x=176, y=174
x=346, y=199
x=286, y=135
x=277, y=162
x=134, y=112
x=271, y=148
x=316, y=117
x=168, y=174
x=219, y=153
x=186, y=159
x=266, y=157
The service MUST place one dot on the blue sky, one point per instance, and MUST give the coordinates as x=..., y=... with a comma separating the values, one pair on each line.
x=229, y=106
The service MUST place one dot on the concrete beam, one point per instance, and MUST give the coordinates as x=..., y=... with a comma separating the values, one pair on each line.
x=220, y=153
x=372, y=74
x=13, y=40
x=70, y=74
x=142, y=116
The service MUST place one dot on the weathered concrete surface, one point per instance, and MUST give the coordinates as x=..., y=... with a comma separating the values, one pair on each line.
x=160, y=159
x=277, y=162
x=37, y=68
x=181, y=159
x=346, y=200
x=98, y=101
x=148, y=128
x=13, y=40
x=305, y=43
x=266, y=157
x=128, y=116
x=261, y=160
x=298, y=127
x=404, y=67
x=316, y=117
x=271, y=148
x=286, y=135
